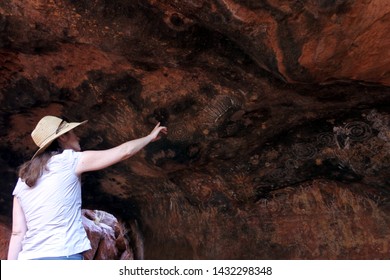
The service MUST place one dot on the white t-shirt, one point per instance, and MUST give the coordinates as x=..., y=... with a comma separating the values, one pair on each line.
x=53, y=211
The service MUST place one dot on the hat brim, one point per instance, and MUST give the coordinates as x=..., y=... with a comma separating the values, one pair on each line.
x=68, y=127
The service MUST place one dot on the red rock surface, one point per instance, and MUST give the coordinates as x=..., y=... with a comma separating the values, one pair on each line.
x=314, y=41
x=5, y=234
x=107, y=236
x=278, y=116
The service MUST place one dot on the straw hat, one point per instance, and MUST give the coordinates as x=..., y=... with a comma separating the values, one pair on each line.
x=48, y=129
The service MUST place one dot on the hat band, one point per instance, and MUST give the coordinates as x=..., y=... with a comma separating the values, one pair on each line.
x=63, y=124
x=60, y=126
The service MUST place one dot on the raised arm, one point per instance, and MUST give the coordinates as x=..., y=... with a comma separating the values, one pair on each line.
x=19, y=228
x=96, y=160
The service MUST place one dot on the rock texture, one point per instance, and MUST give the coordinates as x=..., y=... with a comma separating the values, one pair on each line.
x=109, y=238
x=278, y=118
x=298, y=41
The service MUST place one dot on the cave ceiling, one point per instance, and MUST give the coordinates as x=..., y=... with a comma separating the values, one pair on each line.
x=277, y=112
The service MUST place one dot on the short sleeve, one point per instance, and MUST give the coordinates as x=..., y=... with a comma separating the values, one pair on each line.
x=71, y=158
x=19, y=185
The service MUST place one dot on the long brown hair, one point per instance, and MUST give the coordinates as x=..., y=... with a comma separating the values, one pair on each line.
x=31, y=170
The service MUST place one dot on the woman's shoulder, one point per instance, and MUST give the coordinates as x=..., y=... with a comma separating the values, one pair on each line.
x=68, y=153
x=66, y=156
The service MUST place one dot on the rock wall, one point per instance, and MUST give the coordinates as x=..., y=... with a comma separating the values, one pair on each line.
x=278, y=117
x=298, y=41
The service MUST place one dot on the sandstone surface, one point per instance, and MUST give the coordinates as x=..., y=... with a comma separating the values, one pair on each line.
x=277, y=111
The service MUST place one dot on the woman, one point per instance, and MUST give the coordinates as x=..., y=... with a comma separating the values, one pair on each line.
x=47, y=198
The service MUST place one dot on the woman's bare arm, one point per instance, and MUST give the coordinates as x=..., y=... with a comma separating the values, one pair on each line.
x=19, y=228
x=96, y=160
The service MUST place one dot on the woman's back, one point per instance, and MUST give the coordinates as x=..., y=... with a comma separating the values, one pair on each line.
x=52, y=210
